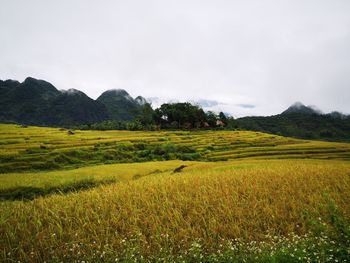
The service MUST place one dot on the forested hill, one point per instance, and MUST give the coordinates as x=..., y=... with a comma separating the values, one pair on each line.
x=302, y=122
x=38, y=102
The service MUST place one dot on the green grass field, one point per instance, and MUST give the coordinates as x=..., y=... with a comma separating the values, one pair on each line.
x=110, y=196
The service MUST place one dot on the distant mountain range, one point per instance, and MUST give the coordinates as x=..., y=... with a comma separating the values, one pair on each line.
x=301, y=121
x=38, y=102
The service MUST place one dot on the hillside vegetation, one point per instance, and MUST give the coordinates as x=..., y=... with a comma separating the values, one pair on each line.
x=36, y=148
x=103, y=196
x=300, y=125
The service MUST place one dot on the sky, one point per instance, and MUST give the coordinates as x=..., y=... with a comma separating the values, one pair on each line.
x=248, y=57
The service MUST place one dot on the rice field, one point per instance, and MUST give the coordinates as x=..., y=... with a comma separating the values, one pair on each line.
x=242, y=197
x=36, y=148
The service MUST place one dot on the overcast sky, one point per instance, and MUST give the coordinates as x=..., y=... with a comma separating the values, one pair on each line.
x=243, y=57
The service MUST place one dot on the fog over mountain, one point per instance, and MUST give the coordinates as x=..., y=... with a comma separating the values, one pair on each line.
x=241, y=57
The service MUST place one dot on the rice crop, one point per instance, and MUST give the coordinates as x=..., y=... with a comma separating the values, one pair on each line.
x=242, y=197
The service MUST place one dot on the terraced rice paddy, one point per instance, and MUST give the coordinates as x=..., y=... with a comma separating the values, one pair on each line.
x=113, y=196
x=48, y=148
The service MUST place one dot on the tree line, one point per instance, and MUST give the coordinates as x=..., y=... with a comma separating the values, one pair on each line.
x=183, y=115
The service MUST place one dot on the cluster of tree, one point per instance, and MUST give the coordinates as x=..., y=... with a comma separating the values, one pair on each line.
x=168, y=116
x=187, y=116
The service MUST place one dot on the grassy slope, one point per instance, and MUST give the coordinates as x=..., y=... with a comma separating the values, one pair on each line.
x=152, y=212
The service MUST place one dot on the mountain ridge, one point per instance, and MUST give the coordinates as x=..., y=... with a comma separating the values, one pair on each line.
x=301, y=121
x=38, y=102
x=299, y=107
x=120, y=105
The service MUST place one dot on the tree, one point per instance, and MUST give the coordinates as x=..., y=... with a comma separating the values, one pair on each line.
x=146, y=115
x=211, y=118
x=222, y=117
x=180, y=113
x=231, y=123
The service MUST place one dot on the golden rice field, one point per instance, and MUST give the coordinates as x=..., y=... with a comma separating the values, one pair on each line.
x=243, y=197
x=36, y=148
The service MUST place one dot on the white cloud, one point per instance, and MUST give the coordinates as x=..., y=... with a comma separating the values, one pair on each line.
x=264, y=53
